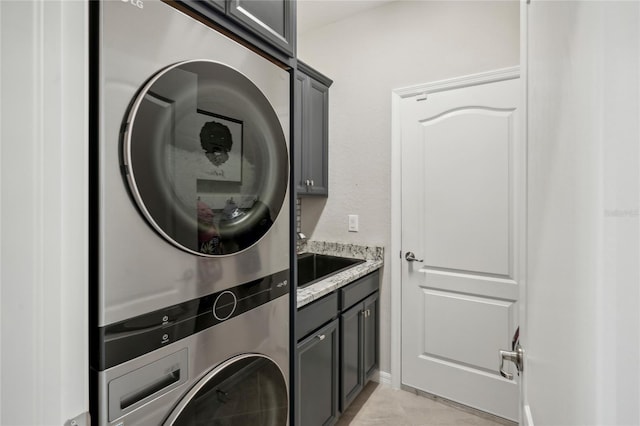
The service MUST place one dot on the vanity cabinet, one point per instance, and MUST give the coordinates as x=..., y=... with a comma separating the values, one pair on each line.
x=311, y=131
x=318, y=367
x=318, y=362
x=358, y=348
x=269, y=25
x=337, y=350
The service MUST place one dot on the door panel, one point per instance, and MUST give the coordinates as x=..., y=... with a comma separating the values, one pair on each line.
x=466, y=177
x=370, y=333
x=583, y=190
x=274, y=20
x=471, y=322
x=299, y=112
x=317, y=382
x=317, y=135
x=351, y=381
x=458, y=203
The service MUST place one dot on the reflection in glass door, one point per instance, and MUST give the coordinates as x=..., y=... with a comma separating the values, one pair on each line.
x=206, y=158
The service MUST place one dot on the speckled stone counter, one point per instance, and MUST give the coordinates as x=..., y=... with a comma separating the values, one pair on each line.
x=373, y=256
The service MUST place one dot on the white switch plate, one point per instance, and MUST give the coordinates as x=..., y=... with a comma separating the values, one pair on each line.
x=353, y=223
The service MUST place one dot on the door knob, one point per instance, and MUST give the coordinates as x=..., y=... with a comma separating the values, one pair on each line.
x=410, y=257
x=516, y=356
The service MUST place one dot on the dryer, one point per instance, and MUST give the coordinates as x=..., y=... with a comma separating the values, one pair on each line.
x=190, y=239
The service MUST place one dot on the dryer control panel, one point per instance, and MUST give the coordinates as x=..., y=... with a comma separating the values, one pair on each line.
x=125, y=340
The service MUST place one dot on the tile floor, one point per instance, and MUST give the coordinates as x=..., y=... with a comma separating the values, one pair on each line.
x=381, y=405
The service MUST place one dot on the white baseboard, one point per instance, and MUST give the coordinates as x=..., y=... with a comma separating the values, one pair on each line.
x=527, y=417
x=382, y=377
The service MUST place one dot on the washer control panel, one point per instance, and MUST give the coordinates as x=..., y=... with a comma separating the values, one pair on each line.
x=125, y=340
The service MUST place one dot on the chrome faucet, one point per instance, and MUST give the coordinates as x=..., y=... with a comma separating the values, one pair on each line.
x=301, y=237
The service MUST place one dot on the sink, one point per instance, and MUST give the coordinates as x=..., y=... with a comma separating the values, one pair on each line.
x=315, y=267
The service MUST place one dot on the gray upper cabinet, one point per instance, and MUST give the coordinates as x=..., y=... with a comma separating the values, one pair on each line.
x=273, y=20
x=269, y=25
x=311, y=131
x=218, y=4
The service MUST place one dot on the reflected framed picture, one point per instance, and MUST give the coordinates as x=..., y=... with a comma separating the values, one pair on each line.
x=221, y=143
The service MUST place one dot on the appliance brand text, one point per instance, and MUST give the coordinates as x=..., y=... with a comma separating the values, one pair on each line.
x=138, y=3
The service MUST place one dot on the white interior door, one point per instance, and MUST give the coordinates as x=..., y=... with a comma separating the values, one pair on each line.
x=582, y=335
x=460, y=165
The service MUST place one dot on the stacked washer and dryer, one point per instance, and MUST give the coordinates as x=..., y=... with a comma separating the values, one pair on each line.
x=191, y=239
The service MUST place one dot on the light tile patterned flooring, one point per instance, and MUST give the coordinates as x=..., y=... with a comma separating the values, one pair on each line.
x=379, y=405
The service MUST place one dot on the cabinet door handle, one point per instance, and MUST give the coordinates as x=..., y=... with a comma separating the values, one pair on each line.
x=312, y=184
x=320, y=336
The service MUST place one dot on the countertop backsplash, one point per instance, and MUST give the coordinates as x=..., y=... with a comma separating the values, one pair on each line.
x=353, y=251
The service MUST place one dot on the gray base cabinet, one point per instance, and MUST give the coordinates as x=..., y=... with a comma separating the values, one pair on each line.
x=337, y=350
x=351, y=379
x=317, y=384
x=358, y=348
x=370, y=333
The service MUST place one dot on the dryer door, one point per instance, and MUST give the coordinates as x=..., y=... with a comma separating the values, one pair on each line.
x=245, y=390
x=205, y=158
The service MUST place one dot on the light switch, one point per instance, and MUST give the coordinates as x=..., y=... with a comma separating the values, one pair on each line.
x=353, y=223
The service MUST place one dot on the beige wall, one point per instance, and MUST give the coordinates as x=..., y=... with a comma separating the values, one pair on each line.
x=399, y=44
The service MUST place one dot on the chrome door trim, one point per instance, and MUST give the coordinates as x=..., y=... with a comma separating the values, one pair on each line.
x=175, y=413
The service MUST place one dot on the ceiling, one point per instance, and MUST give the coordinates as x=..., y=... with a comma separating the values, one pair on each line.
x=313, y=14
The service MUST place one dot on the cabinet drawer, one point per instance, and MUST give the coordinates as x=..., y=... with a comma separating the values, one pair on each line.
x=315, y=314
x=358, y=290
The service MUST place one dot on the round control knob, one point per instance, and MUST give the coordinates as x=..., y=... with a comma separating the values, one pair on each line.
x=225, y=305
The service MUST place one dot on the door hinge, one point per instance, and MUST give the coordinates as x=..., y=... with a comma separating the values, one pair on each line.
x=400, y=254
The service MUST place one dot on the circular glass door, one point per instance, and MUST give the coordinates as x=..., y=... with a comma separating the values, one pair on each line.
x=205, y=158
x=246, y=390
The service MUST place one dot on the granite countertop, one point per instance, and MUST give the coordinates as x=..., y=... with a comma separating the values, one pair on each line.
x=373, y=256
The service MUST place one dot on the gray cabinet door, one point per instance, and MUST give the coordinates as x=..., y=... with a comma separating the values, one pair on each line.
x=351, y=378
x=218, y=5
x=317, y=377
x=299, y=111
x=316, y=167
x=370, y=335
x=311, y=131
x=358, y=348
x=273, y=20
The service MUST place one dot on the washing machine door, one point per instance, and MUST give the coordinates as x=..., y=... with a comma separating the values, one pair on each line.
x=246, y=390
x=205, y=158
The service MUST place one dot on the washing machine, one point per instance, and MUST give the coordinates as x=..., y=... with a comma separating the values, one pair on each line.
x=189, y=222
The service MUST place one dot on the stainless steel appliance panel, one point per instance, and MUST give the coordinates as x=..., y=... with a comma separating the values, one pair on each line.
x=138, y=270
x=262, y=331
